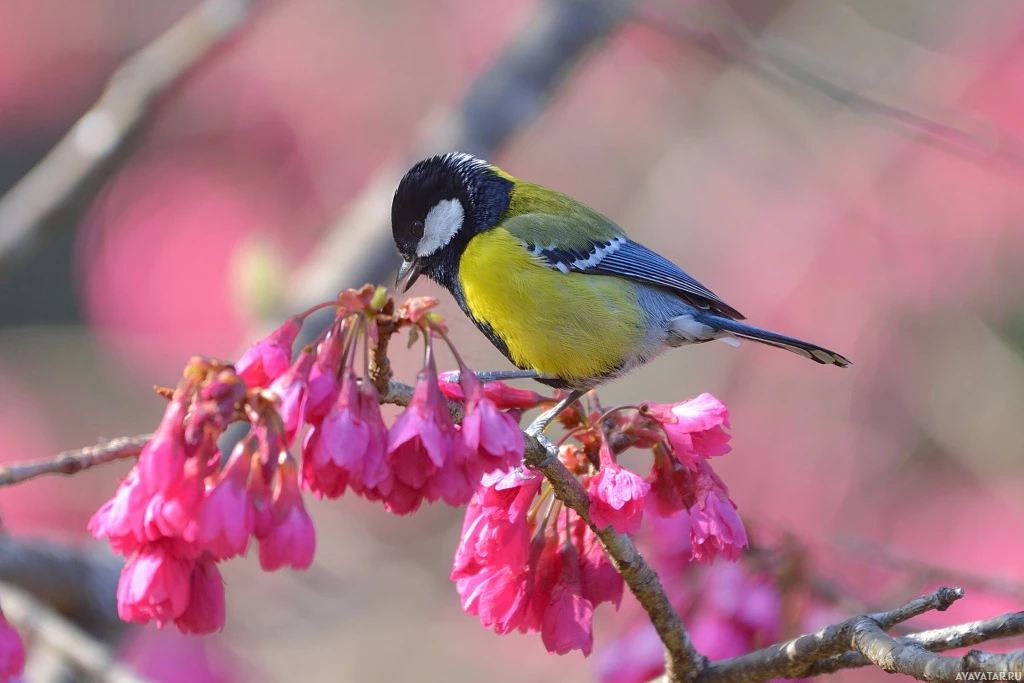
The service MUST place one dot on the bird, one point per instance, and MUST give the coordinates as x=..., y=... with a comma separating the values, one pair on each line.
x=557, y=287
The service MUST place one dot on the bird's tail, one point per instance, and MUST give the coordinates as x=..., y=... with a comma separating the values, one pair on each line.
x=744, y=331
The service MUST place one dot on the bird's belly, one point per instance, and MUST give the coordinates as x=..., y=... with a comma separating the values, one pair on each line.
x=572, y=326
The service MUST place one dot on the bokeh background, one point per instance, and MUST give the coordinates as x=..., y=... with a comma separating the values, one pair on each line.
x=899, y=245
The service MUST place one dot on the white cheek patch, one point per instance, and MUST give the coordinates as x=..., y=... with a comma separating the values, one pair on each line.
x=443, y=221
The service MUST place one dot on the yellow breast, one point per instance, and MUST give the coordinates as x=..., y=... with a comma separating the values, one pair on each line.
x=567, y=325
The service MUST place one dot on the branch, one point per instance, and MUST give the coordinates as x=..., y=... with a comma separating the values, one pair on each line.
x=70, y=462
x=81, y=580
x=895, y=656
x=782, y=72
x=504, y=99
x=68, y=643
x=683, y=662
x=105, y=128
x=862, y=641
x=936, y=640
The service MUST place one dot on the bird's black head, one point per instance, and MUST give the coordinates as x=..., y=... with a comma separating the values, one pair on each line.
x=439, y=205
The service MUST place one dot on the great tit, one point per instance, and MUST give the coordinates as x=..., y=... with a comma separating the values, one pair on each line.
x=557, y=287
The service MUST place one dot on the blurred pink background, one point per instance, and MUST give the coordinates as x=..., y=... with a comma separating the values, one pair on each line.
x=814, y=219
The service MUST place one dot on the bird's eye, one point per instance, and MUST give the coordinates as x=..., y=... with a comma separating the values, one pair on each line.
x=416, y=229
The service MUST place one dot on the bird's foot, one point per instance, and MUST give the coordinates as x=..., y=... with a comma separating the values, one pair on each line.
x=543, y=421
x=536, y=431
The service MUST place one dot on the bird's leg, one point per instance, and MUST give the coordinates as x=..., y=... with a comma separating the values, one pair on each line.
x=544, y=420
x=495, y=375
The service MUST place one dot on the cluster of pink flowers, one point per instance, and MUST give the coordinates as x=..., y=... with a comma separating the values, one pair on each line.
x=12, y=653
x=527, y=563
x=184, y=507
x=424, y=455
x=519, y=567
x=682, y=480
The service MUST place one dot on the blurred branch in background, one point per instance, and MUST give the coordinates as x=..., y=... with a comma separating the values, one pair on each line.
x=920, y=572
x=79, y=583
x=58, y=649
x=505, y=98
x=732, y=42
x=85, y=150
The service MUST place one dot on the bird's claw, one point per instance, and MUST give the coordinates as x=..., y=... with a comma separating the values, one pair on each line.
x=536, y=431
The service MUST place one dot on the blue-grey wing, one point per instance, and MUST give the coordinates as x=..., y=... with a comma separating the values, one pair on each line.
x=584, y=241
x=625, y=258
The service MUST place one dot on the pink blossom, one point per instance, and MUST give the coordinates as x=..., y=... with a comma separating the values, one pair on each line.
x=455, y=482
x=672, y=487
x=599, y=580
x=261, y=494
x=323, y=377
x=169, y=514
x=226, y=517
x=121, y=519
x=155, y=585
x=399, y=498
x=492, y=570
x=616, y=496
x=291, y=388
x=290, y=538
x=421, y=438
x=268, y=359
x=161, y=464
x=695, y=428
x=715, y=527
x=488, y=435
x=12, y=651
x=495, y=532
x=499, y=597
x=375, y=471
x=205, y=611
x=347, y=445
x=567, y=620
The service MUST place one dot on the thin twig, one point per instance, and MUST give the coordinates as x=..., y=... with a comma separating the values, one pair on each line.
x=70, y=462
x=46, y=627
x=105, y=128
x=925, y=572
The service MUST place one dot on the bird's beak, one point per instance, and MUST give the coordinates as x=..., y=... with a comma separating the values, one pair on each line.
x=407, y=275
